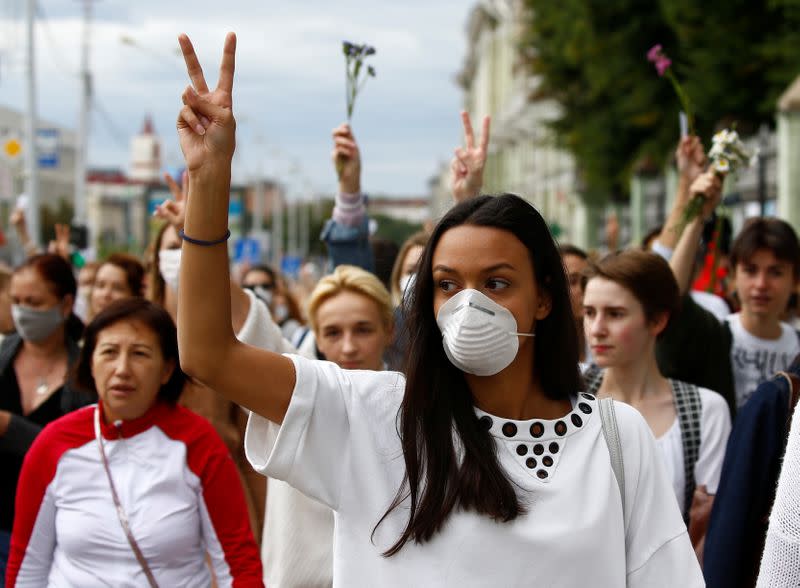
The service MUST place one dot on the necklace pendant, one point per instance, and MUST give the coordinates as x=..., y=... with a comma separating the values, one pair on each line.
x=41, y=389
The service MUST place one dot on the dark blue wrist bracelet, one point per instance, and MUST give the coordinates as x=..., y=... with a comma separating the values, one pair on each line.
x=202, y=243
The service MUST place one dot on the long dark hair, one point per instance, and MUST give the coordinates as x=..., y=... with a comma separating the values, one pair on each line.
x=437, y=400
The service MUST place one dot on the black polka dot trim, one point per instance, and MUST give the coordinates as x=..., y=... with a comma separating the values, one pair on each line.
x=538, y=445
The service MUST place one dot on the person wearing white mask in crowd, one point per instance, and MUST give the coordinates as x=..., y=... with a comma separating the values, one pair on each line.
x=86, y=275
x=34, y=363
x=260, y=279
x=484, y=464
x=405, y=265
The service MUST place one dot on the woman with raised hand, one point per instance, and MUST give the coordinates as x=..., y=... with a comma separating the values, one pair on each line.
x=134, y=491
x=485, y=465
x=628, y=302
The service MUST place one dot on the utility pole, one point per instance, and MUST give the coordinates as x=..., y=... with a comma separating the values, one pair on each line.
x=276, y=240
x=31, y=158
x=81, y=147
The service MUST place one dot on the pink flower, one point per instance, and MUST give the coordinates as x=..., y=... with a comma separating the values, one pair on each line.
x=657, y=56
x=654, y=53
x=662, y=64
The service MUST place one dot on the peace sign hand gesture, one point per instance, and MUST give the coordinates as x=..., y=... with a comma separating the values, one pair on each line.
x=206, y=127
x=466, y=168
x=174, y=210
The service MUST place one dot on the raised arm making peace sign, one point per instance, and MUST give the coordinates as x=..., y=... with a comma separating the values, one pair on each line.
x=206, y=126
x=466, y=168
x=209, y=350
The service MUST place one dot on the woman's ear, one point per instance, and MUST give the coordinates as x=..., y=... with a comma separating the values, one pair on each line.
x=659, y=323
x=545, y=305
x=67, y=304
x=169, y=367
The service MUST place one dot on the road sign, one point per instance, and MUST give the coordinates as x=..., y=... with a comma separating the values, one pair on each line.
x=290, y=265
x=47, y=141
x=247, y=250
x=12, y=148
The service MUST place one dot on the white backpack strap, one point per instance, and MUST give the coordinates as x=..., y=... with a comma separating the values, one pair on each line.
x=611, y=433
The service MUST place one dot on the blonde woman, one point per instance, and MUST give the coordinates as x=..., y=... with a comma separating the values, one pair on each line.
x=350, y=312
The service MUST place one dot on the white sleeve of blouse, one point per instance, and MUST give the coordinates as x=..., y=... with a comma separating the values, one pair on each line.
x=780, y=565
x=715, y=428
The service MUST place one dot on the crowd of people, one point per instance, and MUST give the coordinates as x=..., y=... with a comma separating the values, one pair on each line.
x=501, y=409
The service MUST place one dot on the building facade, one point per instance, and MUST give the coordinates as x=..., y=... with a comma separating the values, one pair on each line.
x=523, y=157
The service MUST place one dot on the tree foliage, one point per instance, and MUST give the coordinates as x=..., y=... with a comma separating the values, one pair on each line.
x=734, y=57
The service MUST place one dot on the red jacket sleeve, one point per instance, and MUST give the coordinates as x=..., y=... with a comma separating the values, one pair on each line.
x=228, y=536
x=33, y=538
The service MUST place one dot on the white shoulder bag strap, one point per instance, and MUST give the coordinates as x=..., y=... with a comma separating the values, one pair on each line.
x=611, y=433
x=123, y=517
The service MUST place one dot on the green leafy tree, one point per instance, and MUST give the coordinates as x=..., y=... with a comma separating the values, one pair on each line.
x=616, y=115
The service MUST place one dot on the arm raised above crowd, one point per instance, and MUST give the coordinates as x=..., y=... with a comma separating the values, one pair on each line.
x=691, y=161
x=708, y=184
x=466, y=168
x=258, y=380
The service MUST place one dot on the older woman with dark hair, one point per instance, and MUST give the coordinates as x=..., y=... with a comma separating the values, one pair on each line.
x=135, y=490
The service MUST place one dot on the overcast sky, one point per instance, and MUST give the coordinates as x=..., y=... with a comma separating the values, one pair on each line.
x=289, y=87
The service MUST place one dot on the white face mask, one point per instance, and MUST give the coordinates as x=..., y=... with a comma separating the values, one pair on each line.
x=169, y=266
x=479, y=336
x=81, y=308
x=280, y=313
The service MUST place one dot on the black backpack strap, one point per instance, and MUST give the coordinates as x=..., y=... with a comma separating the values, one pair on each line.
x=689, y=409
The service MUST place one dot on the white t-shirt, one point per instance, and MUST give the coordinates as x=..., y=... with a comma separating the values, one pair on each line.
x=715, y=427
x=754, y=360
x=712, y=303
x=339, y=445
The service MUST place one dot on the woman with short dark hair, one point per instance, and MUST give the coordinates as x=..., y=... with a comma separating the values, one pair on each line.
x=134, y=490
x=629, y=300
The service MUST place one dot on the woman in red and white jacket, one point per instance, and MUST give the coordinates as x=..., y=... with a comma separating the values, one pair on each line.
x=136, y=490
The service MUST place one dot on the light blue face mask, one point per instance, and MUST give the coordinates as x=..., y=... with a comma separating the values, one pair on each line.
x=36, y=325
